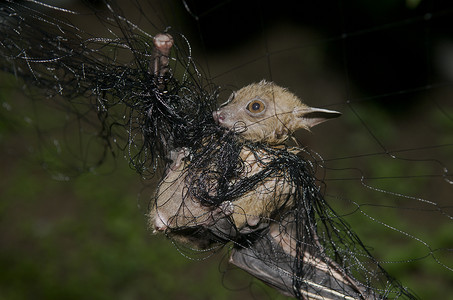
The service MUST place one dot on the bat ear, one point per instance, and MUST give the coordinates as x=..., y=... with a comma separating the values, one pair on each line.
x=311, y=116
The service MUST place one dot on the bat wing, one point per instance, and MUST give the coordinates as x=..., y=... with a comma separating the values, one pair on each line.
x=268, y=260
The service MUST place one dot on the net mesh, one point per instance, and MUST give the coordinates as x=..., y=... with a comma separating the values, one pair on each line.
x=296, y=241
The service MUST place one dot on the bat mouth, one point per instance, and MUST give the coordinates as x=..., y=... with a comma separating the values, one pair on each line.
x=200, y=236
x=218, y=117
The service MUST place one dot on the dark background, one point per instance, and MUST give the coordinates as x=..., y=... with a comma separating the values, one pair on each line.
x=387, y=65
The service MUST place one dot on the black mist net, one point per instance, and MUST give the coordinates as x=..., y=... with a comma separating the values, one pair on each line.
x=163, y=123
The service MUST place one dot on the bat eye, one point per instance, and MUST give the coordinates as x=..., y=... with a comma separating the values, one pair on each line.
x=256, y=106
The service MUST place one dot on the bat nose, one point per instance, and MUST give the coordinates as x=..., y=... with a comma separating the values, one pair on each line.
x=159, y=225
x=218, y=116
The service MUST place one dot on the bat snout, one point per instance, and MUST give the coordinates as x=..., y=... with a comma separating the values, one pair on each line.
x=159, y=224
x=218, y=117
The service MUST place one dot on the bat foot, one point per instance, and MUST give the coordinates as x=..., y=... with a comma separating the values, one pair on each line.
x=163, y=43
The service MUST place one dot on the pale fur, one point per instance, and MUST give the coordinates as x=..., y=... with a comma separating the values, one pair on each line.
x=175, y=207
x=283, y=114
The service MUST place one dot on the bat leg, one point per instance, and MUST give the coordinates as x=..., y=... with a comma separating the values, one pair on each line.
x=163, y=42
x=269, y=259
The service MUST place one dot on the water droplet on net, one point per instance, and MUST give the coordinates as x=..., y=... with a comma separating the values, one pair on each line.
x=447, y=176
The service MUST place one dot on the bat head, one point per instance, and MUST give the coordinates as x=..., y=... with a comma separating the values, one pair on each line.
x=265, y=112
